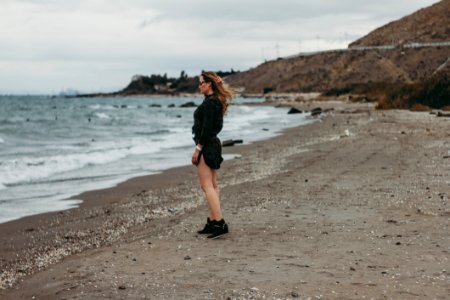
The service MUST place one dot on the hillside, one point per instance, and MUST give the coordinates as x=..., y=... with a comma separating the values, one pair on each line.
x=341, y=69
x=431, y=24
x=337, y=70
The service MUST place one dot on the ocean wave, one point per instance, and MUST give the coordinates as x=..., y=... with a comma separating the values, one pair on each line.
x=156, y=132
x=30, y=169
x=59, y=180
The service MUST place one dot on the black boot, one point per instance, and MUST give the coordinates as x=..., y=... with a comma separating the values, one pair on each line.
x=220, y=228
x=207, y=229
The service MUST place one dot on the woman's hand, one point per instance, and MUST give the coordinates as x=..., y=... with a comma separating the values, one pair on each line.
x=195, y=157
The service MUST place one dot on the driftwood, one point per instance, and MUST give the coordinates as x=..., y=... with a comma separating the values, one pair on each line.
x=441, y=114
x=229, y=143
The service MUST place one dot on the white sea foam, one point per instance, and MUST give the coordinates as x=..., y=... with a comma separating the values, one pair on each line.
x=102, y=107
x=102, y=115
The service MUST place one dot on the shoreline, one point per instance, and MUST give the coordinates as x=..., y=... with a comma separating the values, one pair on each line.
x=18, y=231
x=300, y=189
x=21, y=176
x=122, y=183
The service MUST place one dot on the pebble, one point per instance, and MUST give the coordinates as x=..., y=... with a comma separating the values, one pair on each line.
x=294, y=295
x=122, y=287
x=187, y=257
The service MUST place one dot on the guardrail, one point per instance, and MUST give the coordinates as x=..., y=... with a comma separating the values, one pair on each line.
x=363, y=48
x=420, y=45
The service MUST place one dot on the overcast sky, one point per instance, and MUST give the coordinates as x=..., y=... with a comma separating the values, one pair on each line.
x=47, y=46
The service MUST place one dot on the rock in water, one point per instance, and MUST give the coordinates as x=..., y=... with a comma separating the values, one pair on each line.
x=294, y=111
x=316, y=111
x=188, y=104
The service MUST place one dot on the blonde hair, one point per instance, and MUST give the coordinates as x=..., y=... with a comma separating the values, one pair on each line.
x=220, y=89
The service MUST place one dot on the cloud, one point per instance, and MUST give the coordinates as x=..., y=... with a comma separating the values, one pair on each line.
x=100, y=44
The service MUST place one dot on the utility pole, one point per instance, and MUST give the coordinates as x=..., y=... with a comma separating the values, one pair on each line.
x=277, y=47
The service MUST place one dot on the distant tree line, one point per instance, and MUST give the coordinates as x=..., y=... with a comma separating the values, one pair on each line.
x=162, y=84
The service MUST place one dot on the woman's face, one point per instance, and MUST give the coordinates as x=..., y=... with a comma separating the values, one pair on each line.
x=204, y=87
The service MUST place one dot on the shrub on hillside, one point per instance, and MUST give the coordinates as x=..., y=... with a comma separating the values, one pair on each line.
x=433, y=92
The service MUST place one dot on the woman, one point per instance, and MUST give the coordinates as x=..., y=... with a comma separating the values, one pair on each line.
x=208, y=122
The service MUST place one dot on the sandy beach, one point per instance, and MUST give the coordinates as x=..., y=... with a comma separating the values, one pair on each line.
x=353, y=206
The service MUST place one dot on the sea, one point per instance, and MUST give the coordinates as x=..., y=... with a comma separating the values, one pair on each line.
x=53, y=148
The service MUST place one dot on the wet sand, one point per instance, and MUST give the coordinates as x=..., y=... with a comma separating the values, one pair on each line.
x=353, y=206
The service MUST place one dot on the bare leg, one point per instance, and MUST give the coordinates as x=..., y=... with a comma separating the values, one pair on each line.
x=209, y=186
x=215, y=183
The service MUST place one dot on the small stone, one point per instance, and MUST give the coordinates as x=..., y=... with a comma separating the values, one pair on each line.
x=398, y=243
x=134, y=259
x=294, y=295
x=122, y=287
x=352, y=269
x=306, y=180
x=187, y=257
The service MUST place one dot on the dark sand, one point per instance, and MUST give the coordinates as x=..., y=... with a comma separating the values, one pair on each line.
x=354, y=206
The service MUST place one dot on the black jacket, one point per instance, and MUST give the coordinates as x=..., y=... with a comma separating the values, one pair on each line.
x=208, y=120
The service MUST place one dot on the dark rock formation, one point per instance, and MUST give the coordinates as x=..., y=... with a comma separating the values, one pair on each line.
x=293, y=110
x=188, y=104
